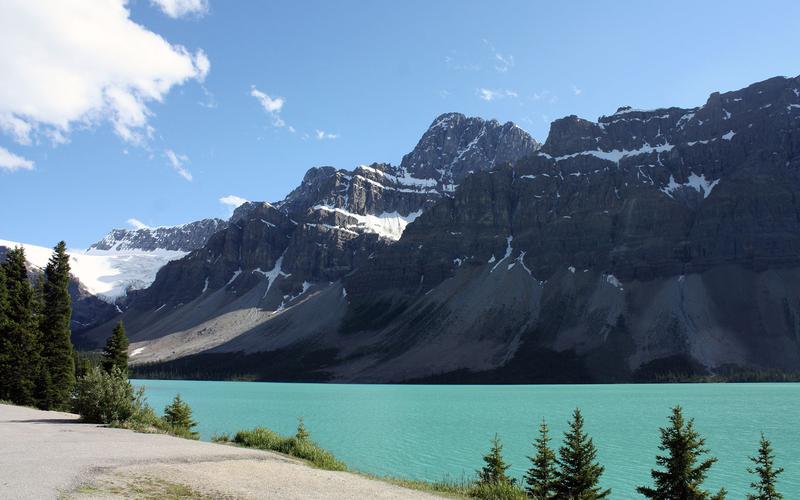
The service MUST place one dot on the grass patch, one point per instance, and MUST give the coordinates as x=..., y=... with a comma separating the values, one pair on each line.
x=265, y=439
x=140, y=487
x=445, y=487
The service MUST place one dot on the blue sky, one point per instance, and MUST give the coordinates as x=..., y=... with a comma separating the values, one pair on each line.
x=341, y=83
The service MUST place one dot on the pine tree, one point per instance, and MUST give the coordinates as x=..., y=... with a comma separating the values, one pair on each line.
x=116, y=351
x=302, y=433
x=20, y=370
x=178, y=415
x=684, y=471
x=55, y=329
x=541, y=477
x=766, y=472
x=494, y=470
x=579, y=473
x=5, y=344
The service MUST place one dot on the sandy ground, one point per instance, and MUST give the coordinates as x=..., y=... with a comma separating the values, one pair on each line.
x=51, y=455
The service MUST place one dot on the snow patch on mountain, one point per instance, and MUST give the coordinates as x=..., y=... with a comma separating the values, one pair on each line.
x=108, y=274
x=697, y=182
x=387, y=224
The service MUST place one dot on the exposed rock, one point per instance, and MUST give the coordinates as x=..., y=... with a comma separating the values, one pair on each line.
x=184, y=237
x=645, y=241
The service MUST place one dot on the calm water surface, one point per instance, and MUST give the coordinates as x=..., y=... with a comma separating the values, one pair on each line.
x=432, y=432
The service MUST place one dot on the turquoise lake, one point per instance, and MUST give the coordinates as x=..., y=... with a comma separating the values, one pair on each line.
x=434, y=431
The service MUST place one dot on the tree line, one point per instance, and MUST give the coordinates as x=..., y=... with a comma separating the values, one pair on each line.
x=574, y=474
x=37, y=363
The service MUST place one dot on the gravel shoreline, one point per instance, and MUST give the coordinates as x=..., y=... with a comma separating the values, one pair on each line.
x=51, y=455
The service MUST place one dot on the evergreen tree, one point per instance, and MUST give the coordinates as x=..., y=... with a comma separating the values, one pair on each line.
x=5, y=345
x=494, y=470
x=579, y=473
x=541, y=477
x=55, y=329
x=178, y=415
x=20, y=370
x=684, y=471
x=302, y=433
x=766, y=472
x=116, y=351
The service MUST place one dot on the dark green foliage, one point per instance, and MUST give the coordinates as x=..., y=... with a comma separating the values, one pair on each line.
x=541, y=478
x=178, y=417
x=115, y=354
x=265, y=439
x=684, y=471
x=102, y=397
x=57, y=357
x=766, y=472
x=495, y=467
x=579, y=473
x=5, y=345
x=302, y=433
x=19, y=338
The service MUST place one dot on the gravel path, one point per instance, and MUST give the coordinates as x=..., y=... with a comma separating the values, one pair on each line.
x=51, y=455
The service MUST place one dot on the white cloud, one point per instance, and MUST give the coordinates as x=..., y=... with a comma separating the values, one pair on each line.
x=503, y=62
x=272, y=106
x=322, y=135
x=178, y=162
x=71, y=61
x=576, y=90
x=179, y=8
x=11, y=162
x=232, y=200
x=491, y=95
x=137, y=224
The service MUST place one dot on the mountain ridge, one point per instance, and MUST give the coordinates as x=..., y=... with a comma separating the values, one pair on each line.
x=615, y=245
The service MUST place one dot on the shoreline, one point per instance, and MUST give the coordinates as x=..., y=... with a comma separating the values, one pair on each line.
x=52, y=454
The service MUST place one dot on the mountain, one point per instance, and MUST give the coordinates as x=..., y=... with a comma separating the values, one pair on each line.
x=647, y=242
x=180, y=238
x=124, y=260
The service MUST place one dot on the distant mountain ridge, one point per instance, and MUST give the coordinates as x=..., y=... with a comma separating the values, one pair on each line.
x=645, y=242
x=183, y=237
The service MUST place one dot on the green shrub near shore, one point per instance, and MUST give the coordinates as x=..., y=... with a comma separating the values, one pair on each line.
x=266, y=439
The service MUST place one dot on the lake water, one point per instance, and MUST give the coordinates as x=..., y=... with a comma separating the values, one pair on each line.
x=431, y=432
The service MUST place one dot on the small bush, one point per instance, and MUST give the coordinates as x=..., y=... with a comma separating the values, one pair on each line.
x=265, y=439
x=103, y=398
x=497, y=491
x=223, y=438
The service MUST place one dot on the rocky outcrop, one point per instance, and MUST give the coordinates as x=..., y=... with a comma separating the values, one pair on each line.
x=183, y=237
x=644, y=242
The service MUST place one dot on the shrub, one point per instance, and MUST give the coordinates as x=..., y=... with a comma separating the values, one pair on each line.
x=497, y=491
x=103, y=398
x=265, y=439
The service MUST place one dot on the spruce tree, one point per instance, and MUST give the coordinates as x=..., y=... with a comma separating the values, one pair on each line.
x=541, y=477
x=57, y=353
x=684, y=470
x=495, y=467
x=5, y=344
x=579, y=473
x=766, y=471
x=178, y=415
x=115, y=353
x=21, y=364
x=302, y=433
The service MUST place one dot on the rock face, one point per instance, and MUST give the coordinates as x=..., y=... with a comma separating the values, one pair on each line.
x=184, y=237
x=643, y=243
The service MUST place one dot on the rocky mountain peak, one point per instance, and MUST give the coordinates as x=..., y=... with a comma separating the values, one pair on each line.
x=455, y=145
x=183, y=237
